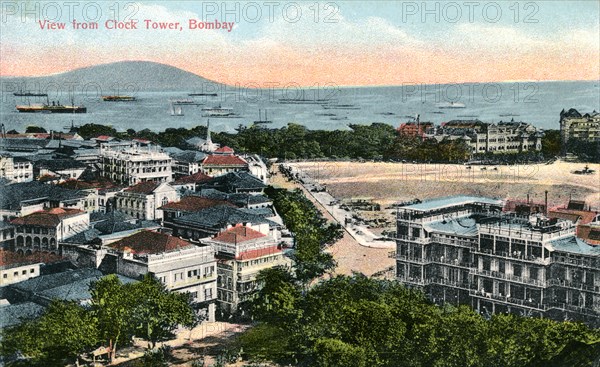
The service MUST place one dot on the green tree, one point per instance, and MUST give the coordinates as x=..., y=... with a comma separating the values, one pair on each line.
x=63, y=332
x=158, y=312
x=112, y=302
x=35, y=129
x=89, y=131
x=335, y=353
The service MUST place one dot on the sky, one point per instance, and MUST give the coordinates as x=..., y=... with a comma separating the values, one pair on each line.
x=314, y=43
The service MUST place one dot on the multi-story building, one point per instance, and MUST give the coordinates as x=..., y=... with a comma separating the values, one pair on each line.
x=500, y=137
x=43, y=230
x=242, y=253
x=130, y=163
x=577, y=126
x=223, y=161
x=415, y=128
x=142, y=201
x=178, y=264
x=16, y=169
x=467, y=250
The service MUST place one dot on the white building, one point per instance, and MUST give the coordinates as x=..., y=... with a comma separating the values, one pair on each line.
x=16, y=169
x=143, y=200
x=178, y=264
x=129, y=163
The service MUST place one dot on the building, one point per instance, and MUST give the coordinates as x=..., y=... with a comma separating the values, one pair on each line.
x=235, y=183
x=574, y=125
x=188, y=205
x=500, y=137
x=185, y=162
x=16, y=169
x=223, y=161
x=211, y=221
x=142, y=201
x=415, y=128
x=466, y=250
x=129, y=163
x=257, y=167
x=242, y=252
x=16, y=267
x=191, y=182
x=178, y=264
x=204, y=145
x=20, y=199
x=64, y=169
x=43, y=230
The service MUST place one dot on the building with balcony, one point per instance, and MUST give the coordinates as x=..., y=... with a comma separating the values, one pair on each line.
x=130, y=163
x=500, y=137
x=466, y=250
x=574, y=125
x=180, y=265
x=242, y=252
x=43, y=230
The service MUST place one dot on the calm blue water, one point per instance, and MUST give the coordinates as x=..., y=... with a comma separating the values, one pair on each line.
x=537, y=103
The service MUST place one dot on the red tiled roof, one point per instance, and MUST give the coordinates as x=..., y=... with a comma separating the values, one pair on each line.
x=195, y=178
x=104, y=137
x=149, y=242
x=585, y=215
x=224, y=160
x=46, y=218
x=253, y=254
x=146, y=187
x=237, y=234
x=195, y=203
x=590, y=234
x=82, y=185
x=13, y=259
x=224, y=149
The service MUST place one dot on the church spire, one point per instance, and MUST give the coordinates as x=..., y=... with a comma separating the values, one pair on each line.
x=208, y=139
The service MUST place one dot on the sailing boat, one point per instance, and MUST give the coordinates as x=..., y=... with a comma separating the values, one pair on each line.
x=176, y=110
x=260, y=120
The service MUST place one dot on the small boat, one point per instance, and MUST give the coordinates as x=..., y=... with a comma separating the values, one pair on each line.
x=118, y=98
x=325, y=114
x=438, y=112
x=29, y=94
x=451, y=105
x=189, y=102
x=338, y=118
x=202, y=94
x=508, y=115
x=176, y=110
x=218, y=111
x=386, y=113
x=341, y=107
x=261, y=121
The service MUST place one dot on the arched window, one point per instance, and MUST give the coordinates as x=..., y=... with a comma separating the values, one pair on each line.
x=36, y=242
x=165, y=201
x=28, y=241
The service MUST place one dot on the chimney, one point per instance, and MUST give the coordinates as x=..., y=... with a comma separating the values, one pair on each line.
x=527, y=198
x=546, y=203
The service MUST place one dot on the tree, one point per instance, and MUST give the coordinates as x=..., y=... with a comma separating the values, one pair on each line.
x=158, y=312
x=112, y=303
x=35, y=129
x=63, y=332
x=336, y=353
x=89, y=131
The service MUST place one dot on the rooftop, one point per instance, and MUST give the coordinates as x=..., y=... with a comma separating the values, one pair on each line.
x=149, y=242
x=12, y=196
x=220, y=217
x=195, y=178
x=11, y=315
x=224, y=160
x=47, y=218
x=194, y=203
x=450, y=201
x=237, y=234
x=455, y=226
x=11, y=259
x=146, y=187
x=575, y=245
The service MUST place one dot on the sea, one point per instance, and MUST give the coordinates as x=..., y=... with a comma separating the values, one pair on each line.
x=326, y=107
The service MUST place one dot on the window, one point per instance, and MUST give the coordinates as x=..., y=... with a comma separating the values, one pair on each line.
x=517, y=270
x=16, y=274
x=4, y=275
x=194, y=295
x=208, y=293
x=32, y=271
x=24, y=272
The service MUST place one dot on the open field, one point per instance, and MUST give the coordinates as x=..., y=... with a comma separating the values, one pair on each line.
x=387, y=183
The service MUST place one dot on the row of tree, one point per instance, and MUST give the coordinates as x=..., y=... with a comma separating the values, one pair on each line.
x=375, y=141
x=117, y=313
x=355, y=321
x=312, y=233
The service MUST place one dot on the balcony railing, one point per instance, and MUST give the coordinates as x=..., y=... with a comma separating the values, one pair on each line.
x=509, y=300
x=574, y=285
x=509, y=256
x=511, y=278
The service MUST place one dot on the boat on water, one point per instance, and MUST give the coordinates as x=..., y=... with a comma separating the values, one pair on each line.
x=118, y=98
x=218, y=111
x=176, y=110
x=451, y=105
x=189, y=102
x=202, y=94
x=508, y=115
x=29, y=94
x=304, y=101
x=339, y=118
x=55, y=107
x=340, y=107
x=261, y=121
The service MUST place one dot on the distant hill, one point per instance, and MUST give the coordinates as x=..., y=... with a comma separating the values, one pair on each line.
x=129, y=76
